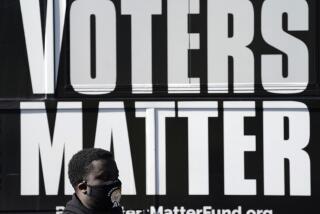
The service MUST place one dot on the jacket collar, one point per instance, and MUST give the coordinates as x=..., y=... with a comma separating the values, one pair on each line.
x=76, y=206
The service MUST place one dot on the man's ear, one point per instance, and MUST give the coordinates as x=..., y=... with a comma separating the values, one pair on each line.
x=82, y=187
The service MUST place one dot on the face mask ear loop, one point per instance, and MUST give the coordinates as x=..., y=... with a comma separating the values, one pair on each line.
x=88, y=189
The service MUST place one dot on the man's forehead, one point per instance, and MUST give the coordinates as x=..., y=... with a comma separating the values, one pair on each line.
x=103, y=166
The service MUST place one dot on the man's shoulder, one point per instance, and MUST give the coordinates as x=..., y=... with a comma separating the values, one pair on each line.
x=74, y=207
x=68, y=212
x=69, y=209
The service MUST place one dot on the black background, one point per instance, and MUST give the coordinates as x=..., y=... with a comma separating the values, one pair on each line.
x=15, y=86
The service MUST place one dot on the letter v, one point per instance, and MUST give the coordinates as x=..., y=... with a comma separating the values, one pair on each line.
x=42, y=63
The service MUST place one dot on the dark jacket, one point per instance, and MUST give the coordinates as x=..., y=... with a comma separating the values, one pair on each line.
x=76, y=207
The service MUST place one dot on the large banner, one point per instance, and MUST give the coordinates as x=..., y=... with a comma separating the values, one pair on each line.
x=209, y=106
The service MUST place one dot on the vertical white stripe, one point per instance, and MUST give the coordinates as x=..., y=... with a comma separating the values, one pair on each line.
x=59, y=19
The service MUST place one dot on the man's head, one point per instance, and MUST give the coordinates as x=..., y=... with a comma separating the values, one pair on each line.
x=91, y=172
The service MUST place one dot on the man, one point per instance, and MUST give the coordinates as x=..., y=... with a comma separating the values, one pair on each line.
x=93, y=174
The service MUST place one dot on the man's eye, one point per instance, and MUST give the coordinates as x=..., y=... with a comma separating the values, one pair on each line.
x=103, y=177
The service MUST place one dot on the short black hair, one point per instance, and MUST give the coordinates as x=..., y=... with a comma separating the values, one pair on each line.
x=80, y=163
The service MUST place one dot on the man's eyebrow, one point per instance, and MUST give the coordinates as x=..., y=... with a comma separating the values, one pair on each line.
x=102, y=174
x=108, y=174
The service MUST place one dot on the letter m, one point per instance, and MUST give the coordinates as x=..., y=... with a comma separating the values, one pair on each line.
x=36, y=145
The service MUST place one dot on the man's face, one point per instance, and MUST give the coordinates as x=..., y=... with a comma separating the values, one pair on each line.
x=101, y=172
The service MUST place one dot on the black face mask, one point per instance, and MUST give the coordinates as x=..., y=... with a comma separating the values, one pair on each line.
x=106, y=196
